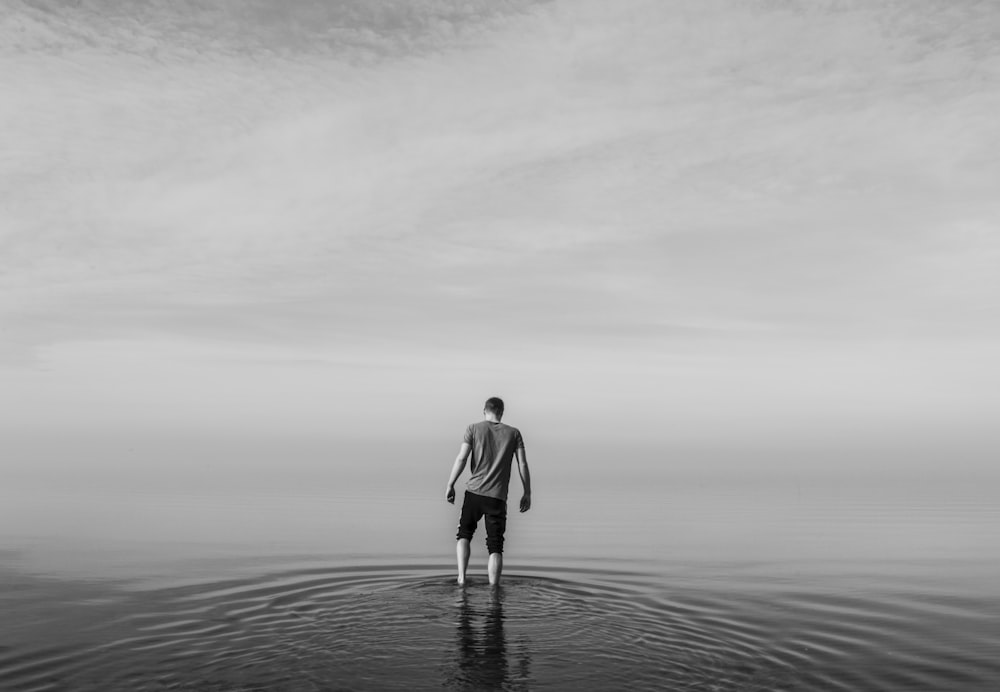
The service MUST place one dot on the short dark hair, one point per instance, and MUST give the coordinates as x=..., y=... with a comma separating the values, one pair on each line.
x=494, y=405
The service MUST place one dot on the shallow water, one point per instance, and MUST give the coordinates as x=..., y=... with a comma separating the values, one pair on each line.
x=696, y=584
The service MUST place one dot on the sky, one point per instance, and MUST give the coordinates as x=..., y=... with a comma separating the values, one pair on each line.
x=649, y=226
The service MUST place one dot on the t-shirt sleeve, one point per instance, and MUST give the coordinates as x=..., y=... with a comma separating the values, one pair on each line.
x=468, y=435
x=518, y=441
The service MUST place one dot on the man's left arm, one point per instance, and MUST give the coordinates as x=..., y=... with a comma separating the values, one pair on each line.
x=522, y=469
x=456, y=471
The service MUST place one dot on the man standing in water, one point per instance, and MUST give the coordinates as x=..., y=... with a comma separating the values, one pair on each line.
x=493, y=446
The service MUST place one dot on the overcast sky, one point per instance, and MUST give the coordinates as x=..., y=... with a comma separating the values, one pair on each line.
x=667, y=223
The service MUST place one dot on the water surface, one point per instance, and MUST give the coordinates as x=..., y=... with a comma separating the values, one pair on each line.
x=696, y=583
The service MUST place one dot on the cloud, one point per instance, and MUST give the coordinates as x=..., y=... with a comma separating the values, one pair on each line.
x=354, y=31
x=575, y=183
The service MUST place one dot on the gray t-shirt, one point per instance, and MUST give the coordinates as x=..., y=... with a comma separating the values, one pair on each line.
x=493, y=447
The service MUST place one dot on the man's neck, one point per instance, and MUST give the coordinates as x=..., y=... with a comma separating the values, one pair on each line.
x=492, y=419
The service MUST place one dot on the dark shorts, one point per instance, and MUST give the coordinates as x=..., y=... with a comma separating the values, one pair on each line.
x=474, y=508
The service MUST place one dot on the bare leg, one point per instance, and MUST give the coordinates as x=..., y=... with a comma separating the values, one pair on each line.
x=496, y=567
x=462, y=552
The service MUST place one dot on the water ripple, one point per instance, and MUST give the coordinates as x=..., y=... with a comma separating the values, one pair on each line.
x=410, y=627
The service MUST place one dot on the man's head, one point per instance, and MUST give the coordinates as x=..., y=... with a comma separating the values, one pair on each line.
x=494, y=406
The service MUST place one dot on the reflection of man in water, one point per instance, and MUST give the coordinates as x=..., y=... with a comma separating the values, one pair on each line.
x=493, y=446
x=485, y=660
x=482, y=659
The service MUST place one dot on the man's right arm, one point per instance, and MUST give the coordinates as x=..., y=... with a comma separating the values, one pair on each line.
x=522, y=469
x=456, y=471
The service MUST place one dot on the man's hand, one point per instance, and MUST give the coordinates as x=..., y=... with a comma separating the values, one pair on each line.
x=525, y=502
x=450, y=494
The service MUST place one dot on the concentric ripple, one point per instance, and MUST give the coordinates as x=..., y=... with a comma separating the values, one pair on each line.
x=411, y=627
